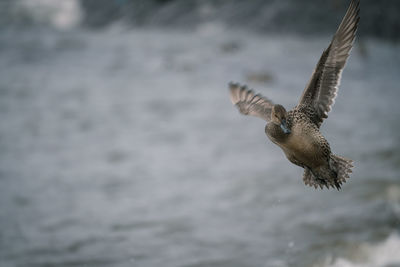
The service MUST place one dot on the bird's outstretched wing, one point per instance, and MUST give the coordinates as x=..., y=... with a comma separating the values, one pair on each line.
x=322, y=88
x=249, y=103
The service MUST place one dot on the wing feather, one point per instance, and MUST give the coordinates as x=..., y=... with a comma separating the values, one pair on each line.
x=249, y=103
x=321, y=91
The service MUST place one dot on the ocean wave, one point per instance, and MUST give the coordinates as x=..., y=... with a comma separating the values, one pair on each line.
x=58, y=14
x=381, y=254
x=260, y=16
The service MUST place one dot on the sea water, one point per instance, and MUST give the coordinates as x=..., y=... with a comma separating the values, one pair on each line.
x=120, y=147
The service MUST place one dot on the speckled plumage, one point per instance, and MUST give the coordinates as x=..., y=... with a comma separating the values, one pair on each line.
x=297, y=131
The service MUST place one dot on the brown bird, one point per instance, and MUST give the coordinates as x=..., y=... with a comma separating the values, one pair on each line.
x=297, y=131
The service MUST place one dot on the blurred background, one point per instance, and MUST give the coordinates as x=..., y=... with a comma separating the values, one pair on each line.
x=119, y=145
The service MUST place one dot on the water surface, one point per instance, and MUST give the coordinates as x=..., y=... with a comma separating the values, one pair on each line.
x=121, y=148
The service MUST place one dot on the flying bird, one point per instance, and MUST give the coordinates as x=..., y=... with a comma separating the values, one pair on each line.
x=296, y=132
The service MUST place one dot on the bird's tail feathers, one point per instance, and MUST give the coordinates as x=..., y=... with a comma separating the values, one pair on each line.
x=333, y=176
x=342, y=166
x=311, y=178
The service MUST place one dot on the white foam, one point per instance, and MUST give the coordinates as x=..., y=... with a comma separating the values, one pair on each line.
x=372, y=255
x=60, y=14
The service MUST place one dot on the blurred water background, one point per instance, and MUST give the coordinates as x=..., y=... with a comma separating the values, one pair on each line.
x=120, y=147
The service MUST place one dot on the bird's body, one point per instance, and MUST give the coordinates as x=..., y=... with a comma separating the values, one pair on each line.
x=297, y=132
x=304, y=146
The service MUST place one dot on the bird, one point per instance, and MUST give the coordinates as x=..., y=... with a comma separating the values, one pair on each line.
x=297, y=132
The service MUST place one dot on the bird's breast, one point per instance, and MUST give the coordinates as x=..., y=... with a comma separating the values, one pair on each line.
x=303, y=144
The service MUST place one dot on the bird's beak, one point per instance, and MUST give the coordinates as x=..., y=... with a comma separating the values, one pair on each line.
x=284, y=127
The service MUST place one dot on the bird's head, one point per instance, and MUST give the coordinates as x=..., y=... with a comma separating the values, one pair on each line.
x=278, y=117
